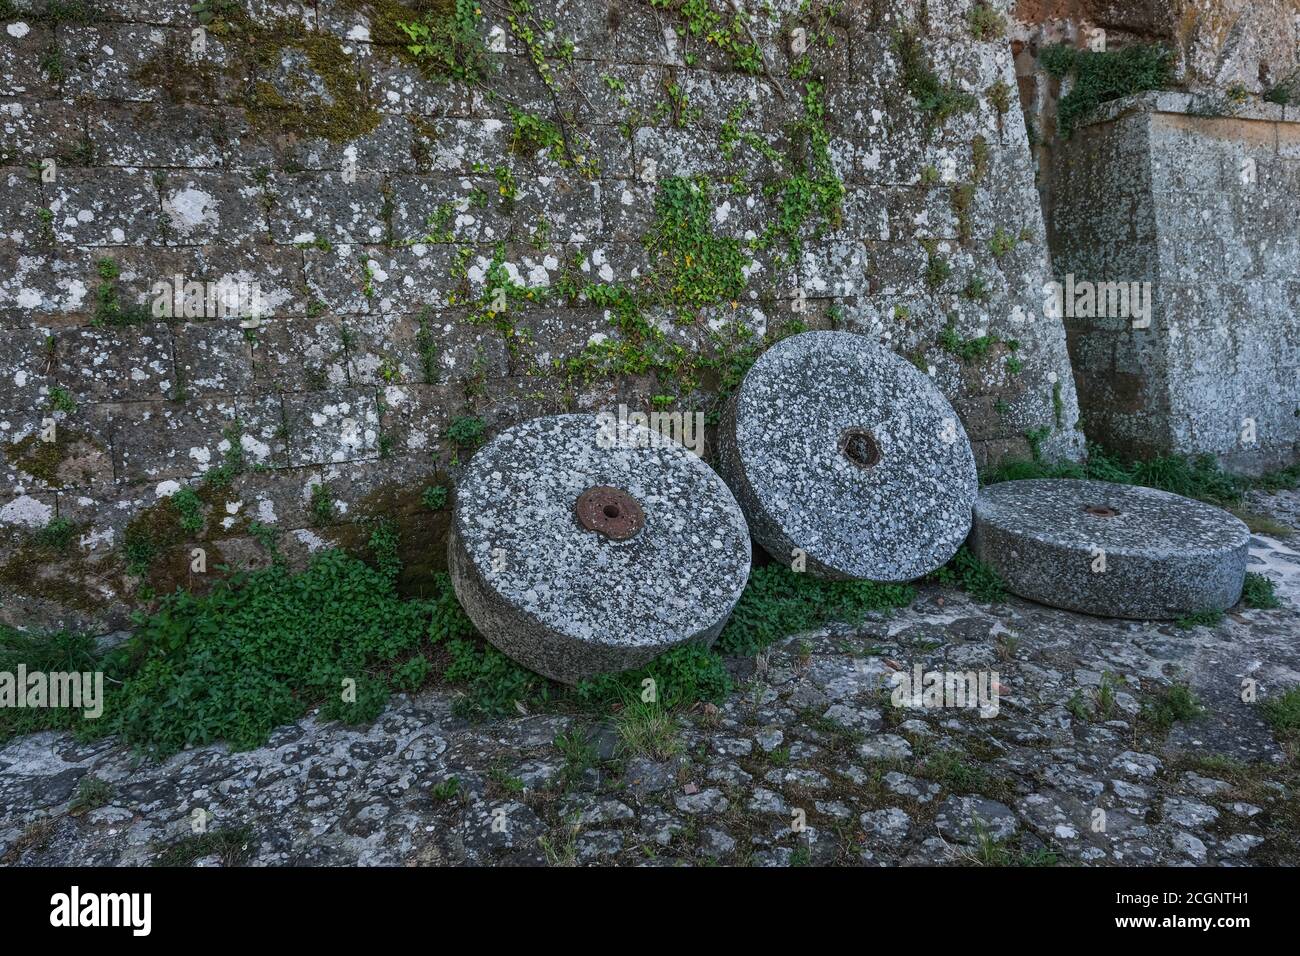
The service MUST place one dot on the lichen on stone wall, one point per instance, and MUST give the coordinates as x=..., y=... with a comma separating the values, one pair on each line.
x=486, y=211
x=57, y=463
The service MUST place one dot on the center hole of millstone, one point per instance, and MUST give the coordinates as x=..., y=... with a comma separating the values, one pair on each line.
x=860, y=447
x=611, y=512
x=1100, y=511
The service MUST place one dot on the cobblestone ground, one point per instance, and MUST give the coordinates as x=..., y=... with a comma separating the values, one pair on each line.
x=1073, y=768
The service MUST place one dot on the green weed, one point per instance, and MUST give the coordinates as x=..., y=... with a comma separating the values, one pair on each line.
x=434, y=497
x=92, y=793
x=494, y=685
x=779, y=602
x=986, y=22
x=1211, y=617
x=937, y=98
x=466, y=431
x=61, y=400
x=1104, y=76
x=679, y=678
x=1170, y=705
x=973, y=576
x=448, y=789
x=1283, y=713
x=647, y=729
x=57, y=534
x=263, y=646
x=61, y=652
x=446, y=42
x=1260, y=592
x=231, y=846
x=1200, y=477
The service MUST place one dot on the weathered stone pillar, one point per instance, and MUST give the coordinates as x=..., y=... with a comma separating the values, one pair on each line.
x=1190, y=207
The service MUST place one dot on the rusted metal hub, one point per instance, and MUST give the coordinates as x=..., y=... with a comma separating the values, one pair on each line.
x=1100, y=511
x=859, y=446
x=609, y=511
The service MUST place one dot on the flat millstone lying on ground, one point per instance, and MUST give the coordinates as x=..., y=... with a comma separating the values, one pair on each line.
x=838, y=447
x=1112, y=550
x=808, y=731
x=570, y=602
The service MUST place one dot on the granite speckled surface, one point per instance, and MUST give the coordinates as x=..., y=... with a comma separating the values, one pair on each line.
x=1165, y=556
x=781, y=452
x=571, y=603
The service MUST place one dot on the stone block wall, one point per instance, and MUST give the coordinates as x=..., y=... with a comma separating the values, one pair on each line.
x=1204, y=205
x=587, y=203
x=1246, y=47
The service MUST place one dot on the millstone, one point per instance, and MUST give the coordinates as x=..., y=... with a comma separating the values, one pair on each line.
x=839, y=448
x=1111, y=550
x=581, y=546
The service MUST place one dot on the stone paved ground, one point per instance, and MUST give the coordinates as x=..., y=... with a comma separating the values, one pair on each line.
x=807, y=734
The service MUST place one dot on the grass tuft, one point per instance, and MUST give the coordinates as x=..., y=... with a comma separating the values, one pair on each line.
x=1170, y=705
x=1283, y=713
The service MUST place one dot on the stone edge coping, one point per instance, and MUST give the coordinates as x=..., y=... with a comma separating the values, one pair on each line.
x=1190, y=104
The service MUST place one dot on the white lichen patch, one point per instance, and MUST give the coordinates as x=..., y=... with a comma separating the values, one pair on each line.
x=26, y=512
x=189, y=208
x=166, y=489
x=311, y=541
x=258, y=450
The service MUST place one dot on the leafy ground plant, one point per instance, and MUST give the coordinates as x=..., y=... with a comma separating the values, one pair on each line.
x=262, y=647
x=494, y=685
x=683, y=676
x=973, y=576
x=1211, y=617
x=445, y=41
x=780, y=602
x=255, y=652
x=63, y=652
x=1260, y=592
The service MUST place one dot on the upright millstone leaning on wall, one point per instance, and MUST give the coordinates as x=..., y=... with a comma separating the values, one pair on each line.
x=847, y=462
x=581, y=546
x=452, y=223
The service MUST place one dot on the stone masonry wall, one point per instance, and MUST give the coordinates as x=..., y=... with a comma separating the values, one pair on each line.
x=570, y=205
x=1204, y=205
x=1217, y=46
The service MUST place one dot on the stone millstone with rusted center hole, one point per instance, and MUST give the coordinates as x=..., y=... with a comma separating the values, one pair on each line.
x=580, y=546
x=1165, y=556
x=838, y=447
